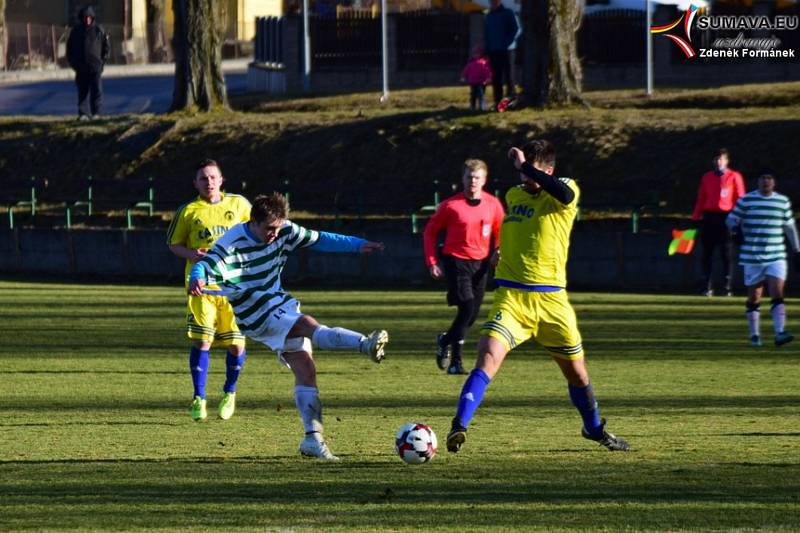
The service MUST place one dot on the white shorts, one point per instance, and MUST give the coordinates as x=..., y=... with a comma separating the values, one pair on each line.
x=755, y=274
x=281, y=320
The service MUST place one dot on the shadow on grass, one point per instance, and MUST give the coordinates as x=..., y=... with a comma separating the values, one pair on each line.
x=461, y=493
x=652, y=404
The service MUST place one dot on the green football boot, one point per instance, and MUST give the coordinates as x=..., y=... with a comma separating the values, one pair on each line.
x=198, y=409
x=227, y=405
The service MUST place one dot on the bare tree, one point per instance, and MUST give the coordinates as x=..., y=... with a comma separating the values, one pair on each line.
x=552, y=70
x=3, y=35
x=156, y=37
x=197, y=45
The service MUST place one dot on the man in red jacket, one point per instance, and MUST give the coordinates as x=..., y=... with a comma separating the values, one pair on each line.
x=719, y=190
x=471, y=221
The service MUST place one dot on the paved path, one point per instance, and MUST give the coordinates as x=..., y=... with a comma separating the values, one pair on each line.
x=136, y=89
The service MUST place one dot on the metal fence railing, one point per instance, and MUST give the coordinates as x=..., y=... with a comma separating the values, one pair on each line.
x=427, y=40
x=269, y=40
x=354, y=41
x=45, y=46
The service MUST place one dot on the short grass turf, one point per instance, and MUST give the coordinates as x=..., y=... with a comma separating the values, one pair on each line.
x=96, y=434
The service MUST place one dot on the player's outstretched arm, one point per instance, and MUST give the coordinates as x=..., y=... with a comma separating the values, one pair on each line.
x=552, y=186
x=335, y=242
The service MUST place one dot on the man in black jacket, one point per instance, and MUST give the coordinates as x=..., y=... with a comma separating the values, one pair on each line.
x=87, y=51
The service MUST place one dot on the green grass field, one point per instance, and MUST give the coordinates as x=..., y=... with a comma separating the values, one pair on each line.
x=95, y=432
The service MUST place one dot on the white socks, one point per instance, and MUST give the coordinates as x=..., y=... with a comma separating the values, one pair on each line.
x=309, y=406
x=336, y=338
x=753, y=320
x=778, y=312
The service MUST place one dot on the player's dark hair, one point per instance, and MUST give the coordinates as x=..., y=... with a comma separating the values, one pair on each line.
x=723, y=151
x=766, y=172
x=273, y=206
x=207, y=163
x=540, y=151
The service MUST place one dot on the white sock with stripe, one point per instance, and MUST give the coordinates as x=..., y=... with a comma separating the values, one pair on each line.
x=336, y=338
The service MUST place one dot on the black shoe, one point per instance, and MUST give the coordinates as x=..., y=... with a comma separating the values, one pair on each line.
x=784, y=337
x=609, y=440
x=443, y=352
x=456, y=368
x=456, y=437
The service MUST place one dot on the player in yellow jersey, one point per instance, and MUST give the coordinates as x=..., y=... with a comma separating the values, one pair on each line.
x=210, y=320
x=531, y=299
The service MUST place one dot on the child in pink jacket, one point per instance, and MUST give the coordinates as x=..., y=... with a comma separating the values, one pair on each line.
x=478, y=75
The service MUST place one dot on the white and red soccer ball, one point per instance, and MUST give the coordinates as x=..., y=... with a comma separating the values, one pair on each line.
x=415, y=443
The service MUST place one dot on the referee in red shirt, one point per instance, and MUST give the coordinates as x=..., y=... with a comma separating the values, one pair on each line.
x=719, y=190
x=471, y=221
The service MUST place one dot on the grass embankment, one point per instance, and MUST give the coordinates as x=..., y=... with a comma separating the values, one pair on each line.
x=96, y=433
x=342, y=152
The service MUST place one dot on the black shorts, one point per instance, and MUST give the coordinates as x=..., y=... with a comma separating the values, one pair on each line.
x=466, y=279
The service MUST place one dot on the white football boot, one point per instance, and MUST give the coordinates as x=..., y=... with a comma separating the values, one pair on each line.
x=314, y=446
x=374, y=344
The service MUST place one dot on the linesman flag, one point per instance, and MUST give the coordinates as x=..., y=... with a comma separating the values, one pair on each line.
x=682, y=241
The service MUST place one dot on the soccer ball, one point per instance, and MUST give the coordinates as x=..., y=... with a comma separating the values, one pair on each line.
x=415, y=443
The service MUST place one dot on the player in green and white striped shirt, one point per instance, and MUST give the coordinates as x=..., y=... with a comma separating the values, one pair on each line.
x=762, y=218
x=246, y=264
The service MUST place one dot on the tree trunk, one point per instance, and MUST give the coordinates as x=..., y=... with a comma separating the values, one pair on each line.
x=536, y=51
x=156, y=36
x=3, y=36
x=197, y=45
x=552, y=69
x=566, y=74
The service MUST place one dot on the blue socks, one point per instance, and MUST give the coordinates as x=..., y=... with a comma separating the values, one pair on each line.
x=584, y=401
x=233, y=367
x=198, y=366
x=471, y=396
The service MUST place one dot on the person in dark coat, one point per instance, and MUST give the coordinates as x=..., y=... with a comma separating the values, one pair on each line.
x=500, y=32
x=88, y=49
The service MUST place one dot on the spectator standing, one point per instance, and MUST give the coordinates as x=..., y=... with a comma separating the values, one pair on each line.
x=719, y=190
x=478, y=75
x=88, y=49
x=500, y=32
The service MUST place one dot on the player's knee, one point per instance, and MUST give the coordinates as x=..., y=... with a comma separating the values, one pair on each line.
x=202, y=344
x=235, y=350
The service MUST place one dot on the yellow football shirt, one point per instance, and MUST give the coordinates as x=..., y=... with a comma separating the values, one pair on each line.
x=534, y=238
x=199, y=223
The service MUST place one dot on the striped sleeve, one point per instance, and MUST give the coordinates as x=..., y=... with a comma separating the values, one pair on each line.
x=735, y=216
x=298, y=236
x=214, y=262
